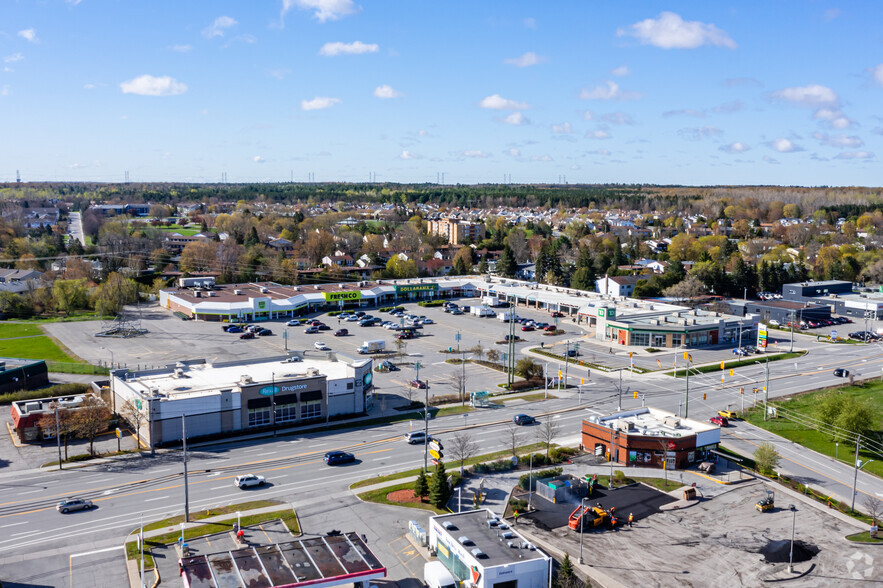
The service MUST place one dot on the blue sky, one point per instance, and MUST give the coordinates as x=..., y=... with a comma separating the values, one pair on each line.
x=749, y=92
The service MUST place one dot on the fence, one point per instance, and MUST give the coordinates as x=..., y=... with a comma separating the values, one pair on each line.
x=76, y=368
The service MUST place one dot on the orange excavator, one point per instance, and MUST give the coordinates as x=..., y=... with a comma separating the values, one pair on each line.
x=588, y=517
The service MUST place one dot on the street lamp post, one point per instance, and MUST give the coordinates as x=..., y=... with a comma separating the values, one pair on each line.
x=791, y=554
x=582, y=516
x=186, y=490
x=111, y=355
x=858, y=466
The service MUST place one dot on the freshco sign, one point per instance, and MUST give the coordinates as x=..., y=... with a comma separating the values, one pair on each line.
x=334, y=296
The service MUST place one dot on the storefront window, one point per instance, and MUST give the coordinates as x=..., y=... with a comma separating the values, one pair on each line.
x=676, y=340
x=311, y=409
x=258, y=416
x=658, y=340
x=641, y=339
x=286, y=413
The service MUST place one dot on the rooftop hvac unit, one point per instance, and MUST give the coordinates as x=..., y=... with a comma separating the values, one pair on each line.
x=32, y=406
x=237, y=292
x=199, y=293
x=477, y=553
x=341, y=285
x=508, y=535
x=450, y=526
x=244, y=379
x=296, y=288
x=511, y=544
x=264, y=290
x=464, y=540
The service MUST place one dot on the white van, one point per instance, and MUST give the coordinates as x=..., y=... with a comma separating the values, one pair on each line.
x=436, y=575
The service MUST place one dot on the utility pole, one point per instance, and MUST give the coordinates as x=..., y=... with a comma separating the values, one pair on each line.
x=58, y=435
x=426, y=431
x=766, y=391
x=791, y=346
x=858, y=444
x=463, y=379
x=687, y=390
x=511, y=363
x=566, y=361
x=186, y=492
x=619, y=393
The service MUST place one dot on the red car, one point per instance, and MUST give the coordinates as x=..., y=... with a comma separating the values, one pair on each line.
x=418, y=384
x=341, y=333
x=550, y=328
x=247, y=335
x=720, y=421
x=558, y=314
x=527, y=328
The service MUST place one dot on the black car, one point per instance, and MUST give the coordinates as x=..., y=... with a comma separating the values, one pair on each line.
x=841, y=373
x=572, y=353
x=324, y=327
x=336, y=457
x=264, y=333
x=389, y=366
x=523, y=419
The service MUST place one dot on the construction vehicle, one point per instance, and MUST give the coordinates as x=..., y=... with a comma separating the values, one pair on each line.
x=587, y=517
x=766, y=503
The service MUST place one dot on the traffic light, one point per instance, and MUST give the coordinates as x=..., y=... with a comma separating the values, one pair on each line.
x=636, y=393
x=559, y=373
x=731, y=372
x=631, y=353
x=722, y=364
x=704, y=396
x=582, y=381
x=741, y=390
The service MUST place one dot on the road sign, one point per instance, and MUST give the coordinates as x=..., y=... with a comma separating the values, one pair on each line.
x=576, y=346
x=119, y=433
x=435, y=445
x=457, y=337
x=434, y=461
x=435, y=454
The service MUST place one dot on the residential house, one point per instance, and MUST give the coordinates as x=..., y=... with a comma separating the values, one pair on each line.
x=618, y=285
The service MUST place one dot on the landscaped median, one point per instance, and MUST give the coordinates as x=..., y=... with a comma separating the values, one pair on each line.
x=735, y=363
x=582, y=363
x=208, y=522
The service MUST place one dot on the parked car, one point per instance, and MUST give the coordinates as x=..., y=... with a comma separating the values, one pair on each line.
x=341, y=333
x=773, y=323
x=311, y=329
x=70, y=504
x=527, y=328
x=321, y=346
x=720, y=421
x=572, y=353
x=264, y=333
x=247, y=480
x=234, y=329
x=420, y=384
x=324, y=327
x=315, y=322
x=336, y=457
x=523, y=419
x=293, y=323
x=457, y=311
x=557, y=314
x=247, y=335
x=550, y=328
x=352, y=319
x=841, y=373
x=428, y=321
x=389, y=366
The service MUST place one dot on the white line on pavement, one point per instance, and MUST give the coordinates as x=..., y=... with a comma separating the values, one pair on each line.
x=30, y=491
x=14, y=524
x=105, y=550
x=220, y=487
x=157, y=498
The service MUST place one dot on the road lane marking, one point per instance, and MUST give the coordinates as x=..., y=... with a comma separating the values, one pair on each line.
x=157, y=498
x=32, y=491
x=220, y=487
x=14, y=524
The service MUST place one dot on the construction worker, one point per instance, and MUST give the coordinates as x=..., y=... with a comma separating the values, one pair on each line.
x=613, y=522
x=612, y=510
x=631, y=519
x=516, y=517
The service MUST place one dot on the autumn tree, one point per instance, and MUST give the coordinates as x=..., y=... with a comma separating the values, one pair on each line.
x=47, y=424
x=90, y=419
x=70, y=295
x=136, y=417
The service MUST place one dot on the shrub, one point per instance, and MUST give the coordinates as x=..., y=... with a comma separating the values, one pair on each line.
x=335, y=312
x=559, y=454
x=618, y=476
x=430, y=303
x=502, y=465
x=525, y=385
x=518, y=504
x=56, y=390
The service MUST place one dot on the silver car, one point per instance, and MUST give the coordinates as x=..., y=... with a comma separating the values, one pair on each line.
x=70, y=504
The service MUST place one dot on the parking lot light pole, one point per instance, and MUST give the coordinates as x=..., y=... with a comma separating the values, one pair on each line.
x=186, y=490
x=791, y=554
x=582, y=517
x=858, y=466
x=111, y=355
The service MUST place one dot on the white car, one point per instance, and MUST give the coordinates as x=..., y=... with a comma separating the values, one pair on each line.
x=351, y=319
x=293, y=323
x=428, y=321
x=321, y=346
x=249, y=480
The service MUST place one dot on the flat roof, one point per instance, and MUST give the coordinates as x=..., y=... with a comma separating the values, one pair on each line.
x=490, y=539
x=322, y=561
x=679, y=319
x=200, y=377
x=652, y=422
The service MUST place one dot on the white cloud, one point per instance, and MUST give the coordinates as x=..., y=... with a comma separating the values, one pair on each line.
x=618, y=118
x=771, y=160
x=736, y=147
x=182, y=48
x=541, y=158
x=670, y=31
x=513, y=152
x=148, y=85
x=877, y=130
x=422, y=132
x=833, y=118
x=699, y=133
x=280, y=74
x=89, y=86
x=783, y=145
x=621, y=71
x=841, y=141
x=516, y=118
x=877, y=73
x=13, y=58
x=386, y=91
x=610, y=91
x=729, y=107
x=588, y=115
x=475, y=153
x=598, y=134
x=318, y=103
x=813, y=95
x=562, y=128
x=354, y=48
x=497, y=102
x=600, y=152
x=405, y=154
x=218, y=27
x=855, y=155
x=526, y=60
x=684, y=112
x=29, y=35
x=258, y=159
x=323, y=10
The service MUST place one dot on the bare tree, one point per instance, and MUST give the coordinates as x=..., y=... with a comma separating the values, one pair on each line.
x=409, y=394
x=547, y=432
x=461, y=448
x=90, y=419
x=478, y=351
x=401, y=347
x=874, y=508
x=493, y=355
x=457, y=381
x=136, y=418
x=513, y=437
x=65, y=424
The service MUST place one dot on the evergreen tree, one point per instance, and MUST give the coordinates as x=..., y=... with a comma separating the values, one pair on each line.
x=565, y=575
x=506, y=265
x=583, y=279
x=438, y=487
x=585, y=258
x=252, y=238
x=619, y=257
x=459, y=268
x=203, y=227
x=482, y=267
x=421, y=486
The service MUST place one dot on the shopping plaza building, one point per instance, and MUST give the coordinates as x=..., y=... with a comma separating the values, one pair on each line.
x=241, y=396
x=616, y=319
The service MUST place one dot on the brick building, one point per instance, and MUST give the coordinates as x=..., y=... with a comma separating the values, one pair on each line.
x=646, y=437
x=456, y=231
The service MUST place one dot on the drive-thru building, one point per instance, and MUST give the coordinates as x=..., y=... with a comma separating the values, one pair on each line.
x=241, y=396
x=649, y=437
x=481, y=550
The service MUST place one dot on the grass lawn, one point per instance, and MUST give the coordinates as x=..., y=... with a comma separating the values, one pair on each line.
x=866, y=537
x=77, y=316
x=214, y=512
x=380, y=494
x=287, y=516
x=34, y=348
x=816, y=440
x=449, y=410
x=472, y=461
x=186, y=232
x=679, y=373
x=10, y=330
x=661, y=484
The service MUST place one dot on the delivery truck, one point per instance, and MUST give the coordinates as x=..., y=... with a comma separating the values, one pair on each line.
x=375, y=346
x=490, y=300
